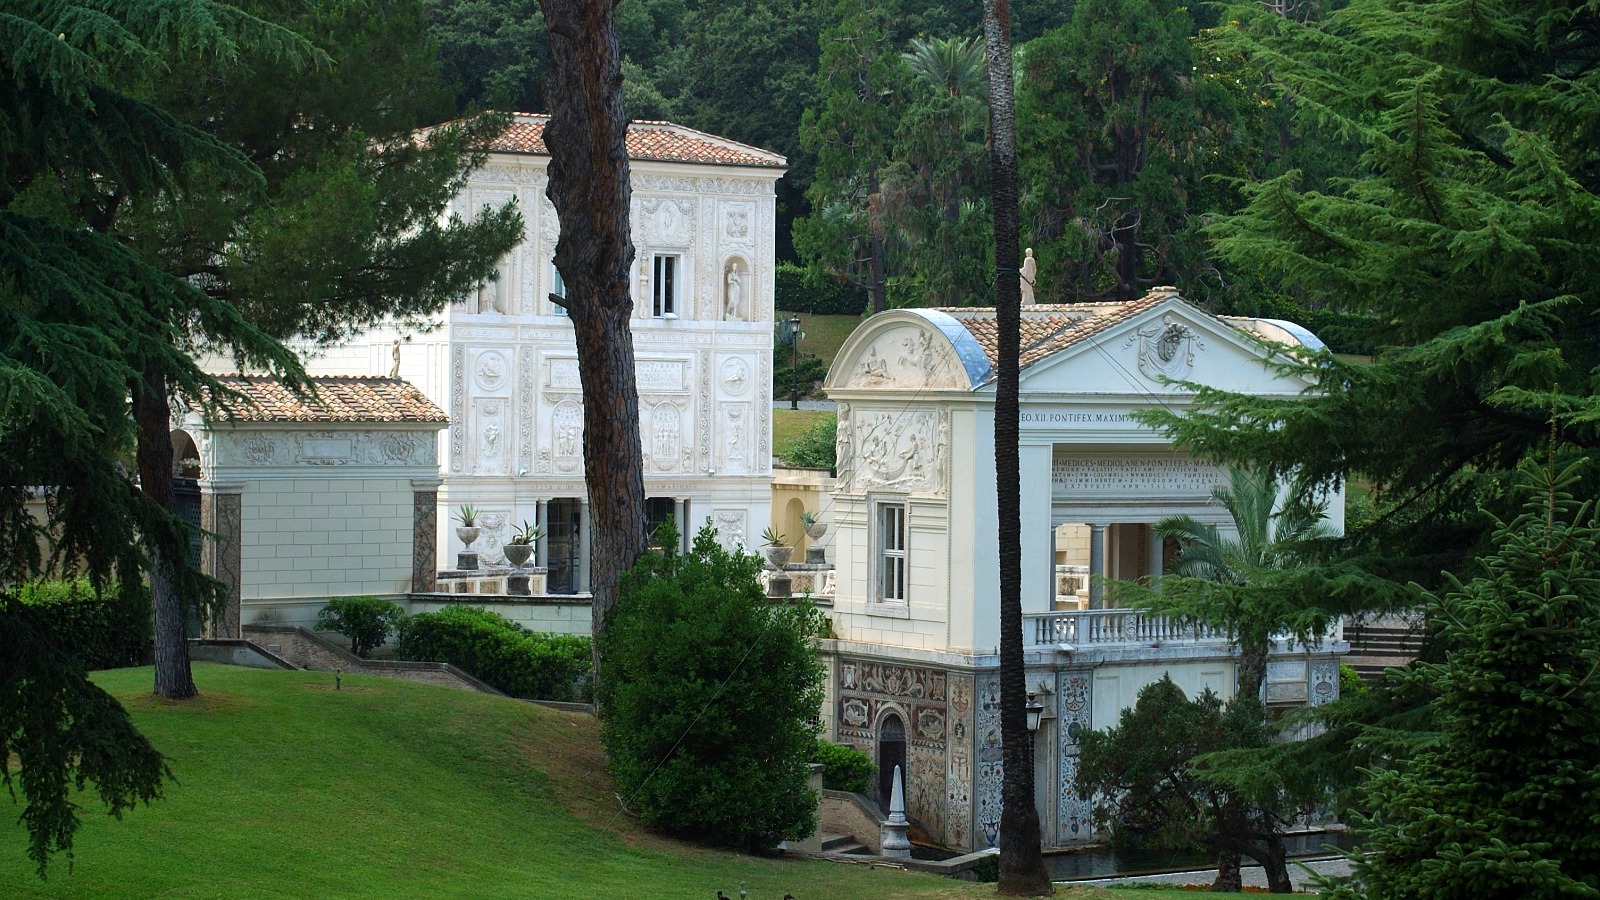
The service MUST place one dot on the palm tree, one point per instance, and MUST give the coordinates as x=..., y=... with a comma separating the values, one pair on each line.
x=1228, y=581
x=955, y=66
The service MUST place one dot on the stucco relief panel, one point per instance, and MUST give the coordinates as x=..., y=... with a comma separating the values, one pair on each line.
x=935, y=726
x=527, y=392
x=894, y=449
x=732, y=529
x=738, y=424
x=908, y=358
x=327, y=448
x=958, y=763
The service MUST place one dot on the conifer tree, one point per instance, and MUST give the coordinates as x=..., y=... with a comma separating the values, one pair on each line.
x=1500, y=798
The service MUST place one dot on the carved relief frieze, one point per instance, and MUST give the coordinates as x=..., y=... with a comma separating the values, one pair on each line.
x=738, y=223
x=735, y=376
x=510, y=175
x=561, y=373
x=764, y=412
x=665, y=449
x=900, y=681
x=526, y=374
x=458, y=408
x=667, y=221
x=737, y=423
x=549, y=227
x=893, y=450
x=731, y=529
x=328, y=448
x=1166, y=348
x=496, y=525
x=489, y=426
x=703, y=413
x=491, y=372
x=909, y=358
x=566, y=425
x=688, y=185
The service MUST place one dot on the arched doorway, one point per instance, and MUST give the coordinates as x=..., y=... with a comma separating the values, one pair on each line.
x=891, y=753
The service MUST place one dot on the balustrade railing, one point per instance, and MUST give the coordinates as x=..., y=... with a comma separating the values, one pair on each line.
x=1128, y=627
x=1113, y=627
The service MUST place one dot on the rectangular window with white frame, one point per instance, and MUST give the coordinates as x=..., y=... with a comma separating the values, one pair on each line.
x=891, y=540
x=664, y=286
x=558, y=286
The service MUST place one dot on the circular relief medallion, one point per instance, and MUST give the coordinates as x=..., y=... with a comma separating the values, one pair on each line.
x=492, y=370
x=736, y=376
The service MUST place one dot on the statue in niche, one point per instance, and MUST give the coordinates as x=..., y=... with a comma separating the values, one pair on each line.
x=735, y=293
x=735, y=440
x=1030, y=275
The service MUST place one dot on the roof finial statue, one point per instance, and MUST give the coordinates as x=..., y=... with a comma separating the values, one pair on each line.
x=1030, y=272
x=395, y=372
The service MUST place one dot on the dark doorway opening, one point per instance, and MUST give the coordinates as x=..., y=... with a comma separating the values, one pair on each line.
x=891, y=753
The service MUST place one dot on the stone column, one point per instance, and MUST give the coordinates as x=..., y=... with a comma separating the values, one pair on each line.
x=425, y=534
x=222, y=550
x=541, y=548
x=1153, y=561
x=583, y=547
x=1097, y=565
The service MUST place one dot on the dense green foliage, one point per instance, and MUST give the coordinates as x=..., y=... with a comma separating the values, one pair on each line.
x=796, y=292
x=500, y=652
x=366, y=621
x=1467, y=230
x=105, y=629
x=817, y=447
x=845, y=768
x=1172, y=773
x=1500, y=796
x=65, y=735
x=710, y=697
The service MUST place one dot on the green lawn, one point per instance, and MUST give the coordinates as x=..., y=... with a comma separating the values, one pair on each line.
x=286, y=788
x=788, y=424
x=824, y=334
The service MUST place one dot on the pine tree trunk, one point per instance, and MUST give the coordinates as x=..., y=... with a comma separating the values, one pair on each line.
x=1275, y=862
x=174, y=680
x=1022, y=870
x=590, y=190
x=1252, y=669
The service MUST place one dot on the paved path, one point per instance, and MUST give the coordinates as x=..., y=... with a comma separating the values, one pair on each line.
x=806, y=404
x=1252, y=875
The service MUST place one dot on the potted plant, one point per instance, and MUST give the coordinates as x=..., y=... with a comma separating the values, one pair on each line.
x=468, y=531
x=777, y=549
x=815, y=528
x=520, y=546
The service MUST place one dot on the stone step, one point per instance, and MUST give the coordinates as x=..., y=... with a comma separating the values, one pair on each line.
x=841, y=843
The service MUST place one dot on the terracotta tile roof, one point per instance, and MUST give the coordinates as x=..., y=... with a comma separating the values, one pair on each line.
x=1047, y=329
x=340, y=398
x=647, y=140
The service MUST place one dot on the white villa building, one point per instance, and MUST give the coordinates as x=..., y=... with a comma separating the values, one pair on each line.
x=913, y=671
x=502, y=364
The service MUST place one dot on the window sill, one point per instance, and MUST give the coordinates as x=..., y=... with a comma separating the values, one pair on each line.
x=891, y=610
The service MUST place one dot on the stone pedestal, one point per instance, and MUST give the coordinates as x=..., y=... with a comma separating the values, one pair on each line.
x=816, y=555
x=895, y=832
x=779, y=585
x=517, y=584
x=467, y=559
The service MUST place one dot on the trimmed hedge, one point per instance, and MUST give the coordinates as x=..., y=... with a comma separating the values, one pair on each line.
x=501, y=653
x=366, y=621
x=845, y=768
x=106, y=631
x=793, y=293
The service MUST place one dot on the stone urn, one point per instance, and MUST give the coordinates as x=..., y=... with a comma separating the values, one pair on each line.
x=816, y=530
x=468, y=557
x=518, y=554
x=777, y=555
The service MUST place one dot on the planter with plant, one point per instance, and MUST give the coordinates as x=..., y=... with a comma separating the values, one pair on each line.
x=815, y=527
x=468, y=531
x=520, y=547
x=777, y=548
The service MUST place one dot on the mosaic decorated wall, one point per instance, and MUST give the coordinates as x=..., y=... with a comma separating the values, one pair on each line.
x=937, y=710
x=1074, y=821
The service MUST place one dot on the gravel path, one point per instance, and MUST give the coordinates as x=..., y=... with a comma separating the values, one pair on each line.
x=1252, y=875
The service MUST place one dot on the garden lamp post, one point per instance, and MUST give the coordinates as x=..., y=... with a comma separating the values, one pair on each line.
x=794, y=357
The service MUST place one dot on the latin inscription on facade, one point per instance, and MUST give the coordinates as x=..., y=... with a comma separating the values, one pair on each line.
x=1132, y=476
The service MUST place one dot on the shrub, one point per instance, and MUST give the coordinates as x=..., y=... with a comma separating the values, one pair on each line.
x=366, y=621
x=795, y=292
x=845, y=768
x=708, y=693
x=107, y=630
x=817, y=447
x=501, y=653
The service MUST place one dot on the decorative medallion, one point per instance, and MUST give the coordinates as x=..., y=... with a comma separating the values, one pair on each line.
x=1166, y=348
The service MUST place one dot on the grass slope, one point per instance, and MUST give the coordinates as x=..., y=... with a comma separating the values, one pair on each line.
x=286, y=788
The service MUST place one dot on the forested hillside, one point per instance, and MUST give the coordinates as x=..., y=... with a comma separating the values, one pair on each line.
x=1126, y=111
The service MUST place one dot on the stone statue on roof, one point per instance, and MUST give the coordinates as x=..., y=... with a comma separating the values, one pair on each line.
x=1030, y=271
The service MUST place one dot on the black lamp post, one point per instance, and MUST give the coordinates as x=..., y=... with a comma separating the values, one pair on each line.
x=794, y=371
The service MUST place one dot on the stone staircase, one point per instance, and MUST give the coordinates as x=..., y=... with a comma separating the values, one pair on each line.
x=1383, y=642
x=843, y=843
